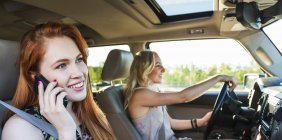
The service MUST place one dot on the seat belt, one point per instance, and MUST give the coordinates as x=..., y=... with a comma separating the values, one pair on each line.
x=44, y=126
x=162, y=131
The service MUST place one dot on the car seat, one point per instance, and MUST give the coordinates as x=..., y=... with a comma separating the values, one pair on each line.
x=116, y=67
x=9, y=51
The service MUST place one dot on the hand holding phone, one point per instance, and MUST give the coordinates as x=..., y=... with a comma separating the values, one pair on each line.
x=45, y=83
x=62, y=119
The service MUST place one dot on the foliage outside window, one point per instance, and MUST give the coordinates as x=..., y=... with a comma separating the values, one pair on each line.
x=189, y=61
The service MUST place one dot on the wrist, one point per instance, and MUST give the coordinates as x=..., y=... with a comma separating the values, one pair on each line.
x=67, y=134
x=194, y=123
x=219, y=78
x=202, y=122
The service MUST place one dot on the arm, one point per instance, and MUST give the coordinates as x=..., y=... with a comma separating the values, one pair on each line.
x=186, y=124
x=52, y=108
x=145, y=97
x=198, y=89
x=17, y=128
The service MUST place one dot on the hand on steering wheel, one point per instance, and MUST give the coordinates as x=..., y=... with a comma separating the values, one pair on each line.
x=218, y=104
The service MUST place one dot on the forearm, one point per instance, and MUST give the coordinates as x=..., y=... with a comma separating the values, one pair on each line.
x=180, y=124
x=186, y=124
x=198, y=89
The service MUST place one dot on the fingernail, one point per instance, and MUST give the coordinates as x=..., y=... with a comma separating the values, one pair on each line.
x=39, y=83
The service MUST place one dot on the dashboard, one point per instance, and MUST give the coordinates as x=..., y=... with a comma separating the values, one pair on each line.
x=266, y=99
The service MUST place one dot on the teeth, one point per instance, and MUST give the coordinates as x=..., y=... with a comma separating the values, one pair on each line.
x=77, y=85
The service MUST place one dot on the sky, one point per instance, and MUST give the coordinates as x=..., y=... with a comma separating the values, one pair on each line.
x=203, y=53
x=99, y=54
x=274, y=34
x=176, y=7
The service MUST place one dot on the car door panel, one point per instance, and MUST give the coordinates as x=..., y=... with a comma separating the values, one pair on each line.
x=197, y=109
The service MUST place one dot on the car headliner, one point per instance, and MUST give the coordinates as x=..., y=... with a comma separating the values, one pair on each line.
x=116, y=21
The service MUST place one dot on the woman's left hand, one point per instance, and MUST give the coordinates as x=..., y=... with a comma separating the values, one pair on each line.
x=231, y=79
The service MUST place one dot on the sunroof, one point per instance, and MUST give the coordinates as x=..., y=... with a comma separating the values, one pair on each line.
x=180, y=7
x=175, y=10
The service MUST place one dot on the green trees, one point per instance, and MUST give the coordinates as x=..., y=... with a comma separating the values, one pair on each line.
x=95, y=74
x=184, y=75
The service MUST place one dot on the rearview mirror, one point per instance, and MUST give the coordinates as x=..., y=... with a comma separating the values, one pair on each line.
x=248, y=15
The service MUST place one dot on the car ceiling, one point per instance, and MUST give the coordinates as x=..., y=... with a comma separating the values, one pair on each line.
x=116, y=21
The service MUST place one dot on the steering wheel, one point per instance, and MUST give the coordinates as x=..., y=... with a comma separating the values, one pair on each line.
x=218, y=103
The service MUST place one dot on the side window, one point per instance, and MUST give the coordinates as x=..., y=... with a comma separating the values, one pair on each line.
x=274, y=34
x=190, y=61
x=96, y=59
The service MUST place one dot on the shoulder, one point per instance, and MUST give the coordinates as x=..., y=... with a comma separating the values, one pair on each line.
x=18, y=128
x=142, y=90
x=144, y=93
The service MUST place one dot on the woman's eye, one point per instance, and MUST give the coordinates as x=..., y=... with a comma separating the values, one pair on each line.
x=61, y=66
x=158, y=66
x=78, y=60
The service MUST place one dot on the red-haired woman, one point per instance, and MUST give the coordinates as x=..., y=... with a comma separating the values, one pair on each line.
x=58, y=52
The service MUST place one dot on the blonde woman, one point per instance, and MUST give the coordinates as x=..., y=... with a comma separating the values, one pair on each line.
x=145, y=102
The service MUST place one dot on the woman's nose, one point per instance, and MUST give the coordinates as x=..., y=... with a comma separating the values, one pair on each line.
x=76, y=71
x=163, y=69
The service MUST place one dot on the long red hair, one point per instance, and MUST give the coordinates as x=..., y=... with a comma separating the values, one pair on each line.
x=31, y=53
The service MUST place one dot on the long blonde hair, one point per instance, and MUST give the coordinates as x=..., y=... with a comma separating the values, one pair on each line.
x=142, y=65
x=31, y=53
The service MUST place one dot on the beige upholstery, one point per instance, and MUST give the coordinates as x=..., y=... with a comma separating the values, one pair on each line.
x=117, y=65
x=110, y=100
x=8, y=73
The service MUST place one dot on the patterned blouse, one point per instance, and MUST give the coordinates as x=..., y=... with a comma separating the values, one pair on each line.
x=33, y=110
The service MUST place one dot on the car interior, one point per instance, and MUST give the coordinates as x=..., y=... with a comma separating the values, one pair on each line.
x=242, y=114
x=9, y=73
x=111, y=99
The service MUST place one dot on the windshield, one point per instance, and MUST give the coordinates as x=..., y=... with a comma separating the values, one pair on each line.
x=188, y=62
x=273, y=31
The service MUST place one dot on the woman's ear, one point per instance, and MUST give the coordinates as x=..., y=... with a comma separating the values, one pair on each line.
x=32, y=75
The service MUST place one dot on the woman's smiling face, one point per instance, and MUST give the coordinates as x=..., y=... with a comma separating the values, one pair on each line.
x=64, y=63
x=156, y=75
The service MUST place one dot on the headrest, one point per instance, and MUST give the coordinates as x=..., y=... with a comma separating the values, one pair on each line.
x=117, y=65
x=9, y=73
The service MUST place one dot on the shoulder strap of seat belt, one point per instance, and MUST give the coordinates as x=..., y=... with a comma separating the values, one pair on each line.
x=162, y=131
x=44, y=126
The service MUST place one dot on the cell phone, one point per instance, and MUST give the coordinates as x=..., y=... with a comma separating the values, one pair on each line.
x=45, y=83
